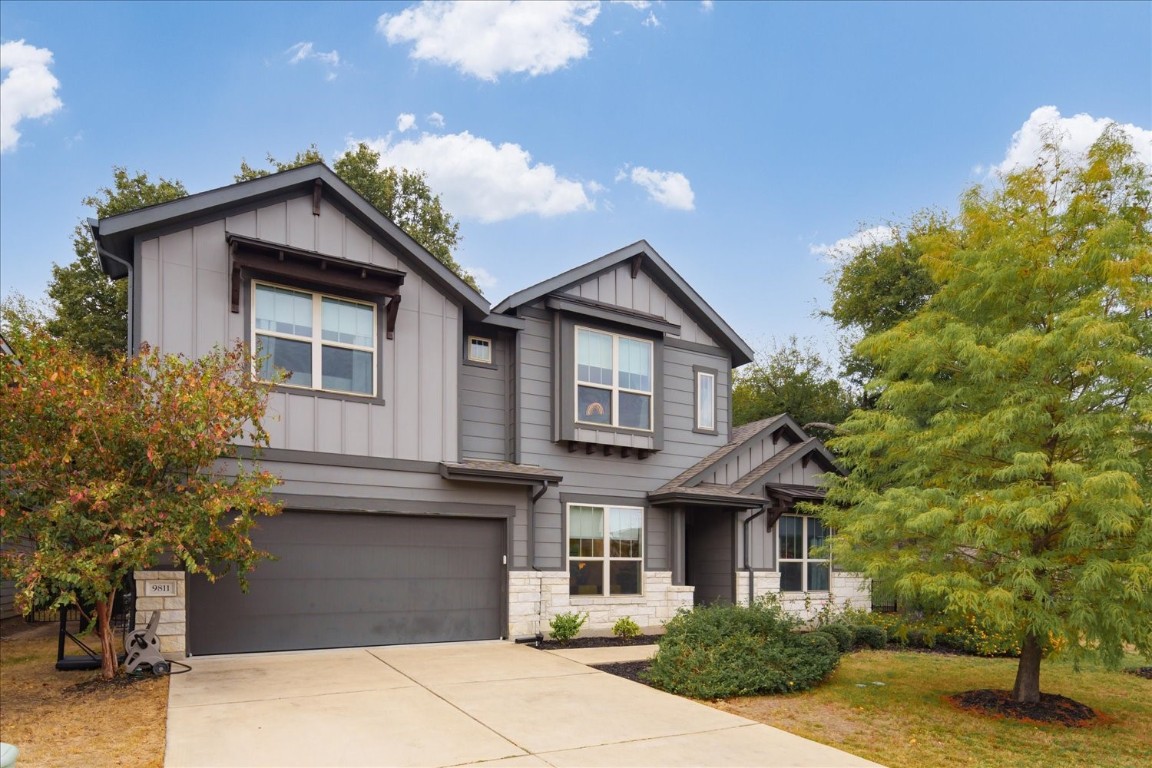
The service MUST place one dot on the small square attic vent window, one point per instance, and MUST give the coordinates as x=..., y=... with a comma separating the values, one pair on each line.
x=480, y=350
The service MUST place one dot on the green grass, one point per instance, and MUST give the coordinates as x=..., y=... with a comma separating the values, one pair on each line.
x=907, y=721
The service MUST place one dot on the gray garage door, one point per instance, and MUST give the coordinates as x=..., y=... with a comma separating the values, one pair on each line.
x=346, y=580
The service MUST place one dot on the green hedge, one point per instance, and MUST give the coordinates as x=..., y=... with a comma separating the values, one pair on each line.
x=723, y=650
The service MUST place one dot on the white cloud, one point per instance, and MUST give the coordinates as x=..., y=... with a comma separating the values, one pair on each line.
x=706, y=5
x=480, y=180
x=28, y=89
x=847, y=247
x=1075, y=135
x=488, y=39
x=640, y=5
x=669, y=188
x=307, y=52
x=436, y=119
x=405, y=122
x=485, y=279
x=650, y=20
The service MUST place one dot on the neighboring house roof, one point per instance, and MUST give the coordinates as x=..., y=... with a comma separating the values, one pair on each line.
x=648, y=259
x=688, y=486
x=115, y=235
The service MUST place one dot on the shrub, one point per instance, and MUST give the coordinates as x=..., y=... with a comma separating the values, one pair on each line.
x=823, y=640
x=625, y=627
x=870, y=636
x=724, y=650
x=842, y=634
x=566, y=626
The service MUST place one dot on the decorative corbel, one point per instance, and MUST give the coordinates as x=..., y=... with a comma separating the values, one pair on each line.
x=317, y=193
x=637, y=260
x=390, y=316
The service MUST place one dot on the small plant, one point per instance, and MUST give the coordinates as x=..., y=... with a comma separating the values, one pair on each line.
x=566, y=626
x=871, y=636
x=626, y=628
x=841, y=633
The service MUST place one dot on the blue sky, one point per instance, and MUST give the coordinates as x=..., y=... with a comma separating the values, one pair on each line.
x=742, y=140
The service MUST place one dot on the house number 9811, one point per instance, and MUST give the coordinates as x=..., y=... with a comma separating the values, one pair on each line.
x=161, y=589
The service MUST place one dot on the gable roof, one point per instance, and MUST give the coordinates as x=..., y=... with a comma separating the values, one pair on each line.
x=689, y=487
x=115, y=235
x=661, y=272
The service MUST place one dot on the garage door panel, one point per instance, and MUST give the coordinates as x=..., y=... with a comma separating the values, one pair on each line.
x=352, y=580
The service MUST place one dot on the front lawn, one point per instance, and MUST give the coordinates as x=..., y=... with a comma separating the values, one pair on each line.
x=906, y=721
x=74, y=718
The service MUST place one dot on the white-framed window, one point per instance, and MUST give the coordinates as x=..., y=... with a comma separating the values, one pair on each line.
x=798, y=536
x=480, y=349
x=706, y=401
x=322, y=342
x=605, y=550
x=613, y=380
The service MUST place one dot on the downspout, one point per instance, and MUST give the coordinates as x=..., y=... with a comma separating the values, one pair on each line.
x=93, y=227
x=748, y=552
x=532, y=499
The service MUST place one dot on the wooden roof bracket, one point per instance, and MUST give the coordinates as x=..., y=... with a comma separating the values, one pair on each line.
x=637, y=260
x=317, y=194
x=390, y=312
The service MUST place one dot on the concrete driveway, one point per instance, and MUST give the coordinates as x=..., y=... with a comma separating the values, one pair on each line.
x=491, y=704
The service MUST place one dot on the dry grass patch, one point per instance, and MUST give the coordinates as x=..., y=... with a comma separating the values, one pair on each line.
x=73, y=718
x=907, y=720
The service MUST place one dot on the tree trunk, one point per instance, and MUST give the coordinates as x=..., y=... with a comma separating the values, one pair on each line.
x=1027, y=687
x=108, y=661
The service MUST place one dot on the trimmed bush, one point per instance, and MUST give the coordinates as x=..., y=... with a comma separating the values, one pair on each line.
x=625, y=627
x=841, y=633
x=869, y=636
x=724, y=650
x=823, y=640
x=566, y=626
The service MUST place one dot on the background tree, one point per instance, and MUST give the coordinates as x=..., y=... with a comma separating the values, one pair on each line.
x=90, y=310
x=879, y=285
x=400, y=194
x=109, y=463
x=1005, y=470
x=789, y=378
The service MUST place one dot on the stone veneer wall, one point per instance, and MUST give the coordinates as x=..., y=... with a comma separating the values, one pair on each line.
x=173, y=614
x=534, y=597
x=848, y=590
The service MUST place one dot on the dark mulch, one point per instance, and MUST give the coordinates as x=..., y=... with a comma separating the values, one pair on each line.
x=629, y=670
x=597, y=642
x=99, y=684
x=1144, y=672
x=1051, y=708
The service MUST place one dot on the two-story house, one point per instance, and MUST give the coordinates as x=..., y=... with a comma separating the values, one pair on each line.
x=453, y=470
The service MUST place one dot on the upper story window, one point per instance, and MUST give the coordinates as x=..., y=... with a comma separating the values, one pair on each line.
x=479, y=350
x=613, y=380
x=323, y=342
x=800, y=571
x=605, y=550
x=705, y=400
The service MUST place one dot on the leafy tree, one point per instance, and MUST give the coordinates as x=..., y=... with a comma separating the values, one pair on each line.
x=91, y=309
x=1006, y=471
x=401, y=195
x=108, y=464
x=789, y=379
x=880, y=284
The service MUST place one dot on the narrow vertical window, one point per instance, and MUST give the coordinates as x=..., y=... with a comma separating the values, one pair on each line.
x=706, y=401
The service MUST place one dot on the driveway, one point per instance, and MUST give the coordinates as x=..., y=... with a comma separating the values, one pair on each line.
x=491, y=704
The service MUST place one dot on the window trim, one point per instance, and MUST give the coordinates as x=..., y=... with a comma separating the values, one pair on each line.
x=804, y=560
x=606, y=559
x=614, y=388
x=317, y=341
x=698, y=372
x=468, y=353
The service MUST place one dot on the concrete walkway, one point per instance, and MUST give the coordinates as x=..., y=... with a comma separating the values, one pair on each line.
x=491, y=704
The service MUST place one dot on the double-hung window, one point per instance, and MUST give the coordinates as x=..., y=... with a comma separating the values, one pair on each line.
x=613, y=380
x=800, y=570
x=321, y=342
x=605, y=550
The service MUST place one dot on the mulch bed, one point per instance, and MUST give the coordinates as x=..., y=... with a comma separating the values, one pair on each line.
x=1051, y=709
x=1144, y=672
x=629, y=670
x=596, y=642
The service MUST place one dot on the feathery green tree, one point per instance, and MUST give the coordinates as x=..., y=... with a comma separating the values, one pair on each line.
x=1006, y=469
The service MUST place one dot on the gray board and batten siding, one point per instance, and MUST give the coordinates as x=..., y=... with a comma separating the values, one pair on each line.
x=184, y=293
x=485, y=399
